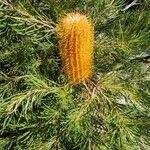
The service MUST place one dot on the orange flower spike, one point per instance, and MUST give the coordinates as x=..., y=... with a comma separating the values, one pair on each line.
x=76, y=36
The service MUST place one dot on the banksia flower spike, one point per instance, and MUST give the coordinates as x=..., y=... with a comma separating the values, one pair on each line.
x=75, y=33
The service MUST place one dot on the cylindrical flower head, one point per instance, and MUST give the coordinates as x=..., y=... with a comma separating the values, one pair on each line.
x=76, y=33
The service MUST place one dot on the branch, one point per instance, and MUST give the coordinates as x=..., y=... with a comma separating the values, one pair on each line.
x=130, y=5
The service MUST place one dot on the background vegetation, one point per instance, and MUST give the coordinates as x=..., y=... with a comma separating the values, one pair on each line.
x=39, y=110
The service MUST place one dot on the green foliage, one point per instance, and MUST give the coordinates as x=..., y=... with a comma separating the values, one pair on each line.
x=39, y=110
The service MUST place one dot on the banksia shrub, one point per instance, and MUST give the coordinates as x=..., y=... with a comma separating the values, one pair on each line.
x=75, y=33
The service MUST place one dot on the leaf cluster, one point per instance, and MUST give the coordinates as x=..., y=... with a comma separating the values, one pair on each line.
x=40, y=110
